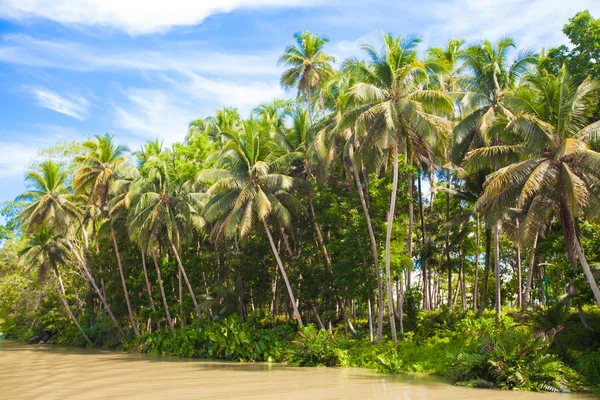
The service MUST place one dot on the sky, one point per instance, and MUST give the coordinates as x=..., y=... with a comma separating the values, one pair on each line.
x=142, y=70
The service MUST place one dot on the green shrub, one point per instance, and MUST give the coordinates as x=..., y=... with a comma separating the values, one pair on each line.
x=589, y=366
x=513, y=359
x=313, y=348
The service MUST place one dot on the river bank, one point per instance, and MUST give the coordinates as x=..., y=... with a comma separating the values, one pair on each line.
x=461, y=348
x=58, y=372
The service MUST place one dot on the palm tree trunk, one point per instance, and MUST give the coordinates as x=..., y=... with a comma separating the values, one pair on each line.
x=497, y=271
x=388, y=240
x=370, y=318
x=426, y=292
x=486, y=272
x=373, y=252
x=519, y=267
x=411, y=227
x=148, y=287
x=400, y=306
x=63, y=299
x=125, y=291
x=345, y=315
x=447, y=238
x=526, y=296
x=90, y=279
x=587, y=271
x=185, y=278
x=476, y=263
x=283, y=273
x=574, y=249
x=162, y=291
x=463, y=283
x=317, y=228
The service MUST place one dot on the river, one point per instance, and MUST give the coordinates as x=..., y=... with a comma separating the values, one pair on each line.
x=55, y=372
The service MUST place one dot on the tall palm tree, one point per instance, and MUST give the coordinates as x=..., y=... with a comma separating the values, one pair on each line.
x=248, y=189
x=52, y=204
x=309, y=65
x=163, y=206
x=446, y=76
x=553, y=167
x=397, y=111
x=482, y=105
x=101, y=165
x=45, y=250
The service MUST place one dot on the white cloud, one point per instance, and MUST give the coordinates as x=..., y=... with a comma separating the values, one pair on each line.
x=532, y=23
x=15, y=159
x=165, y=113
x=178, y=57
x=152, y=113
x=133, y=16
x=71, y=105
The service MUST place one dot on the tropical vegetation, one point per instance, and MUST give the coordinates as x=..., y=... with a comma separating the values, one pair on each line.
x=433, y=211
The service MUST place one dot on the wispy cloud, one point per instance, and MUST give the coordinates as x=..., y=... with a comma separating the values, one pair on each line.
x=133, y=16
x=153, y=113
x=71, y=105
x=532, y=23
x=178, y=57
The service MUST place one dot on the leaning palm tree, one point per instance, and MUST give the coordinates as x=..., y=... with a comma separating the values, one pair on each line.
x=396, y=111
x=554, y=167
x=52, y=204
x=102, y=164
x=247, y=189
x=309, y=66
x=163, y=206
x=45, y=250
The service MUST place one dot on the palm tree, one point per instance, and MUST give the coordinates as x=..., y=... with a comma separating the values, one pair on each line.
x=554, y=167
x=104, y=163
x=309, y=65
x=163, y=206
x=51, y=200
x=247, y=188
x=44, y=250
x=482, y=106
x=396, y=111
x=51, y=204
x=447, y=78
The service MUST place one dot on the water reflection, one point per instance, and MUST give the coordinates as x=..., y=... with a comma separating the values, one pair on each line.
x=54, y=372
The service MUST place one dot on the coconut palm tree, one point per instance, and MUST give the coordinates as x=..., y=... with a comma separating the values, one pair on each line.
x=446, y=76
x=397, y=111
x=45, y=250
x=51, y=200
x=554, y=167
x=52, y=204
x=482, y=105
x=247, y=188
x=101, y=165
x=165, y=207
x=309, y=66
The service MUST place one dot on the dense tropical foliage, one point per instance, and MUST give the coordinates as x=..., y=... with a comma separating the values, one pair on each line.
x=445, y=208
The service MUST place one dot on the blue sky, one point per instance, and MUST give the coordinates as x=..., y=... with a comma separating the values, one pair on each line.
x=143, y=69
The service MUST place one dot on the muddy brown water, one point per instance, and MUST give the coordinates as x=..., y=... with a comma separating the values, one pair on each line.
x=54, y=372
